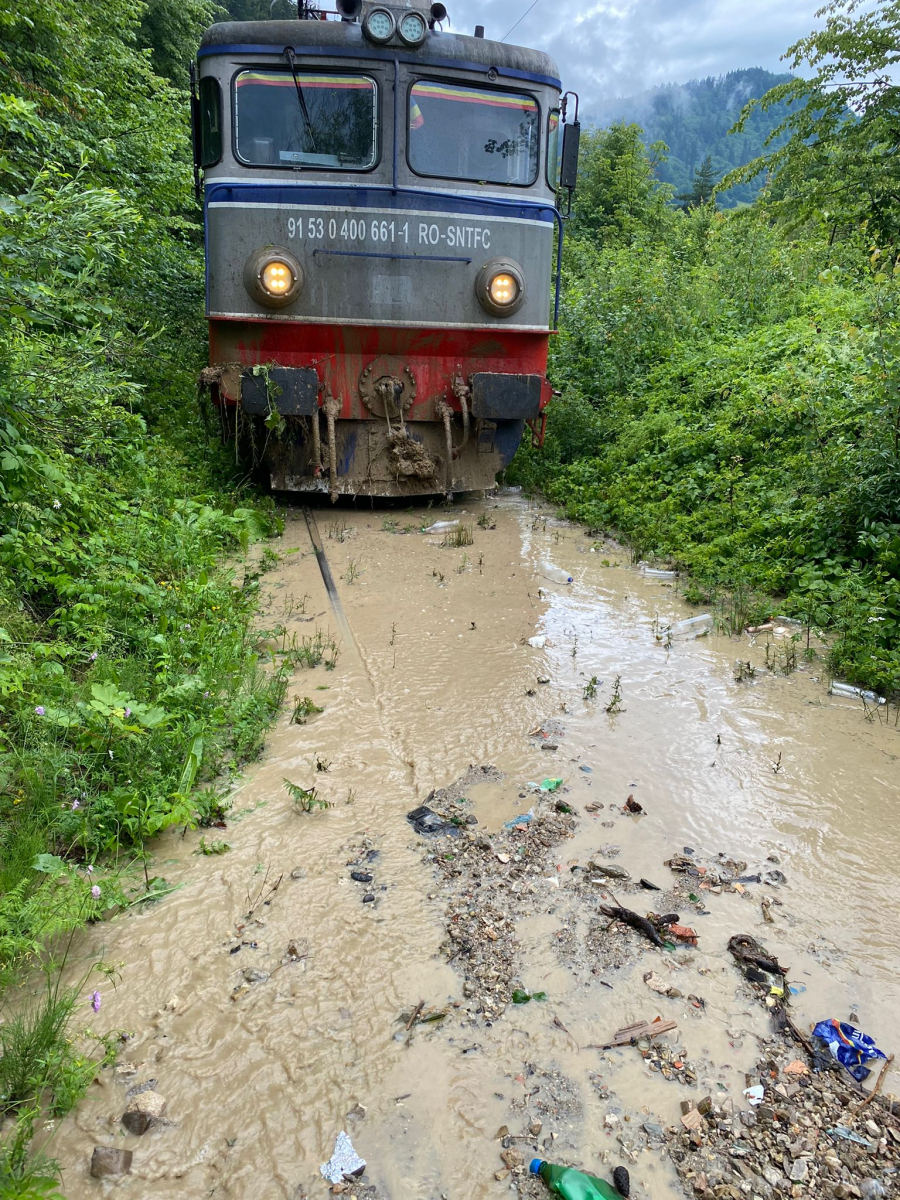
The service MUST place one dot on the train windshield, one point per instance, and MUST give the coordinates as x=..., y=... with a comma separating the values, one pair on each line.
x=460, y=132
x=317, y=120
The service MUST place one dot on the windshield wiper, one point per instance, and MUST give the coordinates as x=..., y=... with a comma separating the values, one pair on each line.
x=291, y=57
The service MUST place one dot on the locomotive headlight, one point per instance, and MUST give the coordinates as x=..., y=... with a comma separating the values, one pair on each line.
x=378, y=25
x=413, y=29
x=277, y=278
x=503, y=289
x=273, y=276
x=500, y=287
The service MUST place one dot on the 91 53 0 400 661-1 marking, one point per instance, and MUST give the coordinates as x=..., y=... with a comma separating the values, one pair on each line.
x=388, y=231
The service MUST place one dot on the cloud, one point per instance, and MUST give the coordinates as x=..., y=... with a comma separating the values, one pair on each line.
x=620, y=47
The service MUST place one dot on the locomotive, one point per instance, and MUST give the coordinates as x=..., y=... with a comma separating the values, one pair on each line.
x=381, y=223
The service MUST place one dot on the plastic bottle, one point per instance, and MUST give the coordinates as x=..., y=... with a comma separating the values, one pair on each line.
x=694, y=626
x=572, y=1184
x=555, y=573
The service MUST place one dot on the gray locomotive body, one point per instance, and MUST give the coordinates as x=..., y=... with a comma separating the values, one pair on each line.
x=380, y=222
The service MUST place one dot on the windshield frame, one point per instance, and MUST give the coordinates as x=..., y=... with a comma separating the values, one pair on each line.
x=476, y=86
x=278, y=69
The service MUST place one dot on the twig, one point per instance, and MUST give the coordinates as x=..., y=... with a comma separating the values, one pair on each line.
x=415, y=1015
x=877, y=1088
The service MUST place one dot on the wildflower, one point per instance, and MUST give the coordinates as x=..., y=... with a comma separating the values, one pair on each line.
x=89, y=869
x=57, y=504
x=95, y=1001
x=95, y=892
x=94, y=656
x=205, y=695
x=75, y=805
x=40, y=710
x=127, y=712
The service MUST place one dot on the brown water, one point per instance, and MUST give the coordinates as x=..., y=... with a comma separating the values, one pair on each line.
x=433, y=675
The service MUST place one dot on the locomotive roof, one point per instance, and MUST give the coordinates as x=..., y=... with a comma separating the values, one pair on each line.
x=447, y=47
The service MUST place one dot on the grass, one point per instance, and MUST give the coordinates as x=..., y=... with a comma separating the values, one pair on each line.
x=461, y=535
x=304, y=708
x=312, y=650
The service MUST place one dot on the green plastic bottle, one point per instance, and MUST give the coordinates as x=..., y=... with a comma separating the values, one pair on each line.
x=572, y=1184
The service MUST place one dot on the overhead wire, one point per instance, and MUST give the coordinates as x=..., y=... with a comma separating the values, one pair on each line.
x=520, y=20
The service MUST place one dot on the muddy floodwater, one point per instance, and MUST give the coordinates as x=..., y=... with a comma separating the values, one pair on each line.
x=264, y=1053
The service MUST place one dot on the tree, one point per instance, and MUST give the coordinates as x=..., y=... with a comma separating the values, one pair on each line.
x=839, y=161
x=618, y=193
x=702, y=188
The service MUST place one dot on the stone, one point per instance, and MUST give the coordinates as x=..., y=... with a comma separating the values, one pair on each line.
x=253, y=975
x=108, y=1160
x=872, y=1189
x=799, y=1171
x=143, y=1112
x=772, y=1176
x=535, y=1128
x=610, y=870
x=610, y=1120
x=873, y=1129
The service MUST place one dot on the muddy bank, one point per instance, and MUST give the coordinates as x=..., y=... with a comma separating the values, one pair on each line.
x=435, y=673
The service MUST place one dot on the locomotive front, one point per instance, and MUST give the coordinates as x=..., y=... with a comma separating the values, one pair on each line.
x=380, y=221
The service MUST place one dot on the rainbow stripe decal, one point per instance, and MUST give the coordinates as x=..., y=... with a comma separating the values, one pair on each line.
x=283, y=79
x=466, y=95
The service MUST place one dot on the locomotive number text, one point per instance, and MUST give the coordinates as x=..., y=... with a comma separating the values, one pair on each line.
x=384, y=231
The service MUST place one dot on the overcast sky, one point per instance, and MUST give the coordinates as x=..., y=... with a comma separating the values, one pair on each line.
x=619, y=47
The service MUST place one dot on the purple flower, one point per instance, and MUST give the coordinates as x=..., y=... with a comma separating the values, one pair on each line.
x=40, y=710
x=95, y=892
x=95, y=1001
x=94, y=656
x=127, y=712
x=75, y=805
x=89, y=869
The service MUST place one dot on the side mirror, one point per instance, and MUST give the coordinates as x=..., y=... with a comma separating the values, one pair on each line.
x=568, y=167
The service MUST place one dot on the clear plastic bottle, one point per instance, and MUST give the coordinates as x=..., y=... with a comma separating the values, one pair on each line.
x=556, y=574
x=572, y=1184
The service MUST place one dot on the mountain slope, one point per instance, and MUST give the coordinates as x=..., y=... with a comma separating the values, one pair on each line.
x=693, y=120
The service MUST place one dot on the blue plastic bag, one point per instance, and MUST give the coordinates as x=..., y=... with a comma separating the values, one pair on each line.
x=850, y=1047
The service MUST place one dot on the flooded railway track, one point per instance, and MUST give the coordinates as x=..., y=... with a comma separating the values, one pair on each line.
x=264, y=1053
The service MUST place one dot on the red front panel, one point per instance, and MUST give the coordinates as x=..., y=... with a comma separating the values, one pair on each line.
x=340, y=354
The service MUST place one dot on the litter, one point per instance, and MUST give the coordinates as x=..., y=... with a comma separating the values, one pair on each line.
x=855, y=693
x=551, y=785
x=694, y=626
x=556, y=574
x=628, y=1035
x=796, y=1068
x=656, y=983
x=755, y=1094
x=345, y=1161
x=848, y=1135
x=426, y=820
x=631, y=806
x=848, y=1046
x=684, y=933
x=796, y=989
x=539, y=641
x=520, y=820
x=442, y=526
x=653, y=573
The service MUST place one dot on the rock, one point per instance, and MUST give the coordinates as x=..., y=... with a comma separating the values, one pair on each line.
x=610, y=870
x=535, y=1128
x=773, y=1176
x=549, y=745
x=871, y=1189
x=610, y=1120
x=253, y=975
x=799, y=1171
x=297, y=873
x=107, y=1160
x=361, y=876
x=513, y=1158
x=143, y=1112
x=369, y=898
x=873, y=1129
x=654, y=1131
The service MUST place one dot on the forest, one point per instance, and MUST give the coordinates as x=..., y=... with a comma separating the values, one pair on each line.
x=730, y=403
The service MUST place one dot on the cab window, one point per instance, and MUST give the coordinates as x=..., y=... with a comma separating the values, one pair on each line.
x=318, y=120
x=553, y=149
x=210, y=122
x=462, y=132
